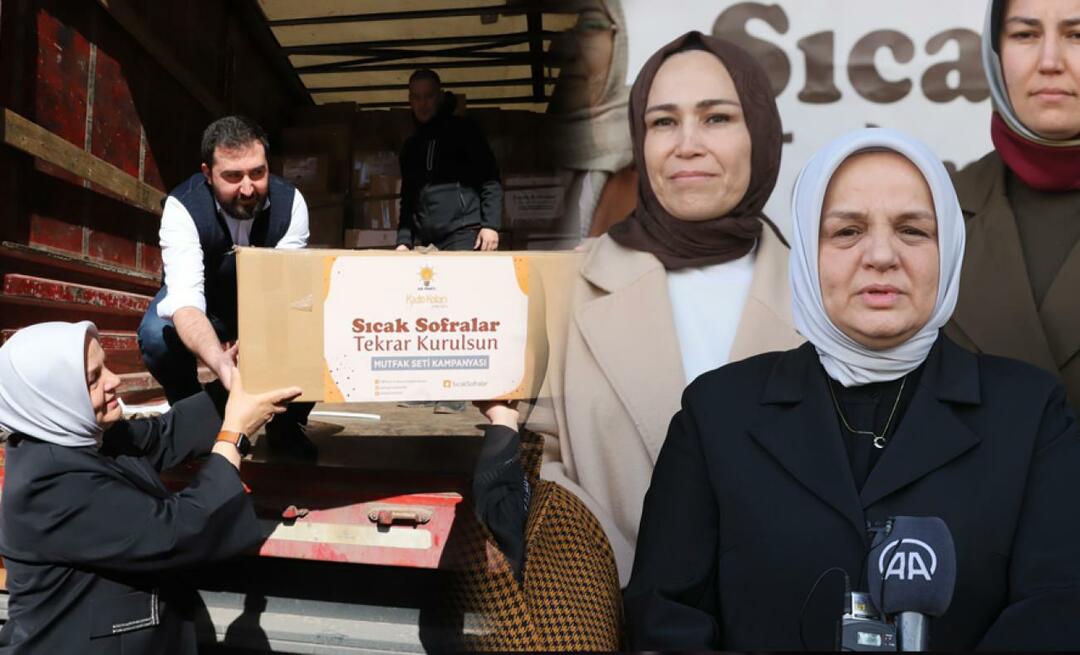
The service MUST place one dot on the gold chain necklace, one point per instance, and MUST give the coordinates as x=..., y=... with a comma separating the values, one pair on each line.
x=879, y=439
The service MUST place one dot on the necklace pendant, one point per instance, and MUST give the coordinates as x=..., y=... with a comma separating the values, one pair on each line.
x=879, y=442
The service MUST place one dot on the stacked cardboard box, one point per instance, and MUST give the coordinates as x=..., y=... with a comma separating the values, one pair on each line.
x=376, y=177
x=316, y=157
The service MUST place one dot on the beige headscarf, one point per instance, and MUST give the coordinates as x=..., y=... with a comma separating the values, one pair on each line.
x=597, y=138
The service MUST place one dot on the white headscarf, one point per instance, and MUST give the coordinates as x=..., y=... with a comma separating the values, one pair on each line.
x=43, y=390
x=844, y=359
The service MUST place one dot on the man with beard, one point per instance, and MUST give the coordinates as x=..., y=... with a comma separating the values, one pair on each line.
x=233, y=201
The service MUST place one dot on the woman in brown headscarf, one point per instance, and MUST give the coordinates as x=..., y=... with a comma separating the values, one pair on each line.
x=694, y=278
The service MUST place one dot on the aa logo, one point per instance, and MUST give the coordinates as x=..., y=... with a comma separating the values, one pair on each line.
x=908, y=560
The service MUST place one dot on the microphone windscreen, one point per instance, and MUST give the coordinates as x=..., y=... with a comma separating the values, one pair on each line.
x=913, y=568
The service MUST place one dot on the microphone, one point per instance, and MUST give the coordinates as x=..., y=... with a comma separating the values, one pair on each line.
x=911, y=570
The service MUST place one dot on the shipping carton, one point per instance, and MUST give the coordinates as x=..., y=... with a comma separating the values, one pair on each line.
x=326, y=219
x=348, y=326
x=376, y=214
x=363, y=239
x=309, y=173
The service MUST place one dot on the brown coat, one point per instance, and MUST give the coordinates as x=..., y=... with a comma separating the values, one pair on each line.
x=996, y=312
x=616, y=379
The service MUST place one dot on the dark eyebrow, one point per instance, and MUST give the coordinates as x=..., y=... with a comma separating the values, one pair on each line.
x=917, y=214
x=704, y=104
x=1024, y=20
x=242, y=170
x=1035, y=22
x=845, y=214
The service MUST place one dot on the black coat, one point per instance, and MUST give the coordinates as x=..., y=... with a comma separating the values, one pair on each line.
x=752, y=499
x=449, y=180
x=95, y=545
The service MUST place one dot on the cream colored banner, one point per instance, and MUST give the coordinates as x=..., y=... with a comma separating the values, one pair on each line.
x=838, y=65
x=412, y=328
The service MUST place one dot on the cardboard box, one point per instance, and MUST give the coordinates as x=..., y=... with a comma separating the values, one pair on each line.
x=349, y=326
x=376, y=214
x=540, y=207
x=370, y=238
x=534, y=202
x=326, y=220
x=309, y=173
x=334, y=142
x=376, y=173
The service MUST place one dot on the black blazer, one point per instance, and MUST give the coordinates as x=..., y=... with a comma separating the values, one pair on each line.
x=95, y=545
x=753, y=498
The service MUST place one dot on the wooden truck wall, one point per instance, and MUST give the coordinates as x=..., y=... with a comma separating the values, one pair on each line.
x=104, y=105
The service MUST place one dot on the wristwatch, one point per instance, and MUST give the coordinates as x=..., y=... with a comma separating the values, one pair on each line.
x=238, y=439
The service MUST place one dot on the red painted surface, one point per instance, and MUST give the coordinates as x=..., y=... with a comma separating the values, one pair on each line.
x=151, y=259
x=111, y=342
x=130, y=382
x=346, y=497
x=48, y=263
x=60, y=90
x=25, y=286
x=55, y=233
x=151, y=173
x=111, y=249
x=116, y=128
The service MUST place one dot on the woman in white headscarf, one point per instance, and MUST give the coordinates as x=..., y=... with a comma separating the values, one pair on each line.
x=94, y=544
x=778, y=468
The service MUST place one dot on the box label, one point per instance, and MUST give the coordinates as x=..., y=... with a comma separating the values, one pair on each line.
x=424, y=329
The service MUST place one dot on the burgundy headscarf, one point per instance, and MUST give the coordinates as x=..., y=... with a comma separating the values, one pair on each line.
x=685, y=244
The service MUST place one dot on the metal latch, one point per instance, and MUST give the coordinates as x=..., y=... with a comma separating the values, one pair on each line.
x=384, y=516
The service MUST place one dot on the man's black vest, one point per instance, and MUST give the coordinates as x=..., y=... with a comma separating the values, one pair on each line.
x=219, y=262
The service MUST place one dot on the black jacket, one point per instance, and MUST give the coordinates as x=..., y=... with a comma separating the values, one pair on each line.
x=752, y=499
x=449, y=180
x=95, y=545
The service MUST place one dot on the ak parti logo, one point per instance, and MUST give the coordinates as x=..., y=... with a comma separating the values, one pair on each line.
x=427, y=275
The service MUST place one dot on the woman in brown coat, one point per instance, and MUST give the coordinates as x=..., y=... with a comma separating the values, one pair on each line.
x=1021, y=277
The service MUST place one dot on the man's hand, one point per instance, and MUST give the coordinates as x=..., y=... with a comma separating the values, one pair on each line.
x=499, y=412
x=487, y=239
x=225, y=365
x=402, y=248
x=246, y=412
x=201, y=339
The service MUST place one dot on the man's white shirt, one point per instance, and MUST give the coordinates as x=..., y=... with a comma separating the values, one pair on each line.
x=182, y=254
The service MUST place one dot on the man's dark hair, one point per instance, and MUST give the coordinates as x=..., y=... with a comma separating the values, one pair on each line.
x=231, y=132
x=425, y=74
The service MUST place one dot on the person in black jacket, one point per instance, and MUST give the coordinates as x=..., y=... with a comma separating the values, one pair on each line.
x=451, y=197
x=95, y=547
x=776, y=465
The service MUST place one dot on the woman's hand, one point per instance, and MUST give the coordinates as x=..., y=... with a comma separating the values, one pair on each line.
x=499, y=412
x=246, y=412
